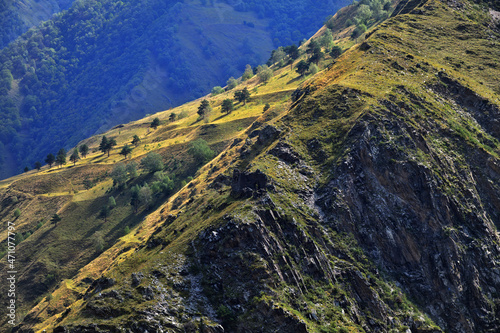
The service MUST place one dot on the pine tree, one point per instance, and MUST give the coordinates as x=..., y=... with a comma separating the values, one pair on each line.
x=55, y=218
x=107, y=144
x=74, y=157
x=61, y=157
x=204, y=109
x=155, y=123
x=302, y=67
x=104, y=213
x=242, y=95
x=136, y=140
x=84, y=150
x=227, y=106
x=126, y=150
x=50, y=160
x=38, y=165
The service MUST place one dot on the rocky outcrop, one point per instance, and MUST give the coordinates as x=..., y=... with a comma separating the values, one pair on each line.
x=439, y=244
x=245, y=184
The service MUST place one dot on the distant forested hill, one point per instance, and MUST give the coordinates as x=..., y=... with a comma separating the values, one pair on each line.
x=102, y=63
x=16, y=17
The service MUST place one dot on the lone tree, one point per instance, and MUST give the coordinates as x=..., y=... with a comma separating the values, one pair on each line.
x=61, y=157
x=314, y=49
x=152, y=162
x=204, y=109
x=302, y=67
x=243, y=96
x=155, y=123
x=172, y=117
x=38, y=165
x=136, y=140
x=119, y=175
x=74, y=157
x=26, y=169
x=55, y=218
x=292, y=51
x=336, y=51
x=107, y=144
x=104, y=213
x=248, y=73
x=50, y=160
x=264, y=73
x=227, y=106
x=200, y=151
x=84, y=150
x=111, y=202
x=126, y=150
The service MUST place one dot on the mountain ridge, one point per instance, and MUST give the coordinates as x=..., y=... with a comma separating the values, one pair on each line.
x=364, y=198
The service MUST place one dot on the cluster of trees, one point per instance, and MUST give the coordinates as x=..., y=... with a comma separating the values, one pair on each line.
x=60, y=158
x=227, y=106
x=367, y=13
x=161, y=183
x=76, y=66
x=105, y=147
x=316, y=50
x=11, y=24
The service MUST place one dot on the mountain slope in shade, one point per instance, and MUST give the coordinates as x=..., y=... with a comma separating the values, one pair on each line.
x=16, y=17
x=363, y=199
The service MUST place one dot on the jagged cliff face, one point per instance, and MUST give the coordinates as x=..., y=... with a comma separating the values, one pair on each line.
x=371, y=203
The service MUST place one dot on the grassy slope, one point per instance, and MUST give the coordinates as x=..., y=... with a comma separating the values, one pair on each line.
x=61, y=250
x=387, y=60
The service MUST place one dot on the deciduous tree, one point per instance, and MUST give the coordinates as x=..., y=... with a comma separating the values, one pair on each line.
x=152, y=162
x=155, y=123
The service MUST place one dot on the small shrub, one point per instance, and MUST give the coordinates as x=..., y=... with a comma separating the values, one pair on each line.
x=217, y=90
x=152, y=162
x=200, y=151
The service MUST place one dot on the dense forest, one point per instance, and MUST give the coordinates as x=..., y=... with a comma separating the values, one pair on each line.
x=16, y=17
x=60, y=82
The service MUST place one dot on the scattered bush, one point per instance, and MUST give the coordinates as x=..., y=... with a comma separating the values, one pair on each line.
x=217, y=90
x=200, y=151
x=152, y=162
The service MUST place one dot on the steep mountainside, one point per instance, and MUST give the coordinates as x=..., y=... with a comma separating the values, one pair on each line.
x=16, y=17
x=102, y=63
x=365, y=198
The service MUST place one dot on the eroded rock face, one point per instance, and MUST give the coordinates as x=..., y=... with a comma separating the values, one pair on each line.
x=244, y=184
x=440, y=245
